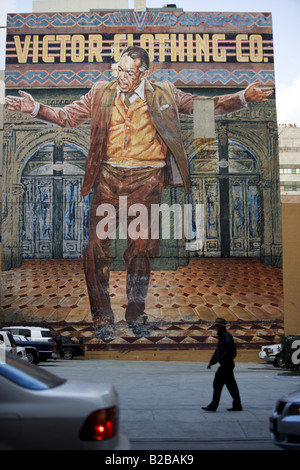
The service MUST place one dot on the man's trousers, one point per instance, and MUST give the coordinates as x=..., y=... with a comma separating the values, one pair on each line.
x=129, y=186
x=225, y=376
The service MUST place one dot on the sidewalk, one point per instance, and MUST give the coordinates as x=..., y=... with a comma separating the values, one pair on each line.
x=161, y=402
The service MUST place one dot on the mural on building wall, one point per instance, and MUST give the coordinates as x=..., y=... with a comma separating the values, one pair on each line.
x=104, y=157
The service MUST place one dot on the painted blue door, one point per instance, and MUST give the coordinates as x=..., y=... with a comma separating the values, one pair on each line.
x=54, y=217
x=227, y=182
x=54, y=213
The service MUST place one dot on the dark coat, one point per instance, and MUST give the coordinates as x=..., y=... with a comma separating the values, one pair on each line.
x=225, y=351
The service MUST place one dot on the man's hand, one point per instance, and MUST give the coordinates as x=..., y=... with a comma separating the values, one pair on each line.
x=256, y=92
x=25, y=104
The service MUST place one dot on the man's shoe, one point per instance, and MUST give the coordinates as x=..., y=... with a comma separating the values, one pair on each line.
x=105, y=332
x=235, y=408
x=140, y=326
x=208, y=408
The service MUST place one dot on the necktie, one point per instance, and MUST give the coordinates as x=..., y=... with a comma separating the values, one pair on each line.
x=127, y=99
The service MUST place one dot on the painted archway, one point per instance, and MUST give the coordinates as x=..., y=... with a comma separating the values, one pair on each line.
x=229, y=189
x=54, y=213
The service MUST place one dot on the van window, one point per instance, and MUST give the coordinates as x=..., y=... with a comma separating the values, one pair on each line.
x=20, y=331
x=46, y=334
x=24, y=332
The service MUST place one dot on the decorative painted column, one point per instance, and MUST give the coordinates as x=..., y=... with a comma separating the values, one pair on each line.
x=271, y=250
x=12, y=228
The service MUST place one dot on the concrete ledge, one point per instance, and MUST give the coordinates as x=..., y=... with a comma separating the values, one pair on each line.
x=243, y=356
x=290, y=198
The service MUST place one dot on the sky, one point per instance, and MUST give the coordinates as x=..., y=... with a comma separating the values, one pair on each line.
x=286, y=18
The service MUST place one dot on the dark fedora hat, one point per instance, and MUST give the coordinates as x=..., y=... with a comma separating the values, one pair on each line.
x=220, y=322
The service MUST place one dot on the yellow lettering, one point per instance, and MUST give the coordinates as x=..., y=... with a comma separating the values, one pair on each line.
x=45, y=52
x=189, y=48
x=129, y=39
x=35, y=49
x=77, y=48
x=162, y=40
x=118, y=40
x=180, y=47
x=177, y=47
x=202, y=47
x=256, y=48
x=239, y=48
x=148, y=39
x=62, y=39
x=22, y=54
x=95, y=47
x=219, y=54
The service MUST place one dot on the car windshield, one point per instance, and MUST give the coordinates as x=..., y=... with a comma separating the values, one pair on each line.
x=28, y=375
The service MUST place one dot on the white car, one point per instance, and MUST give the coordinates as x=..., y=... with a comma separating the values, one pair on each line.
x=21, y=353
x=33, y=333
x=7, y=342
x=285, y=422
x=40, y=411
x=270, y=354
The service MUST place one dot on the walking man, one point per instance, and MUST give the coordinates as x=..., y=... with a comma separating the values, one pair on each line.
x=224, y=355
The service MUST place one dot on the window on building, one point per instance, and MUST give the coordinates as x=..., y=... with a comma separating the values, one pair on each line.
x=289, y=171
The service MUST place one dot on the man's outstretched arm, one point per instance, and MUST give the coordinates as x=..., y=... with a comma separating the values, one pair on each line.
x=226, y=104
x=70, y=115
x=257, y=92
x=24, y=103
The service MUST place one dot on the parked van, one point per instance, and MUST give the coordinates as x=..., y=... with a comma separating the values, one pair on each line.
x=33, y=333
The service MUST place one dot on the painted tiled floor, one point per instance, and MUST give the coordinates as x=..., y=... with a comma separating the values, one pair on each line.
x=181, y=305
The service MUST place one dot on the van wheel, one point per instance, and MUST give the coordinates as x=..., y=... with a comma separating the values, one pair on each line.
x=32, y=357
x=279, y=362
x=67, y=354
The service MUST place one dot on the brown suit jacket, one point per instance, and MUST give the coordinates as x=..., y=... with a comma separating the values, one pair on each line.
x=165, y=103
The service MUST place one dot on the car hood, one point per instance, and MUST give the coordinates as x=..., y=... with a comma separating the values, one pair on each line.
x=294, y=397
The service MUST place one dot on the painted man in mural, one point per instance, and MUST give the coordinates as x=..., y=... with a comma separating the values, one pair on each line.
x=135, y=149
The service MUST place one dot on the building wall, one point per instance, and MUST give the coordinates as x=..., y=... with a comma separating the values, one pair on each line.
x=291, y=263
x=2, y=88
x=289, y=159
x=234, y=176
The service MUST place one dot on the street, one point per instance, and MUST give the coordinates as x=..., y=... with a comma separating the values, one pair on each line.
x=160, y=402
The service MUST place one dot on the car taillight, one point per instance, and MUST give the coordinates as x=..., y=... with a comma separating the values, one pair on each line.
x=101, y=424
x=19, y=353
